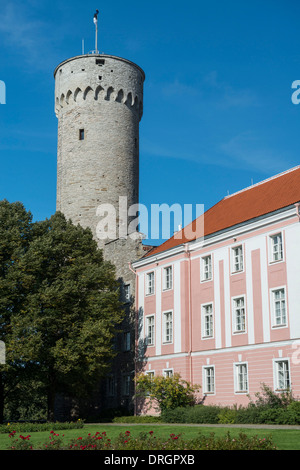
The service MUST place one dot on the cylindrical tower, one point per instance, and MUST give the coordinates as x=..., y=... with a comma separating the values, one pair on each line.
x=98, y=103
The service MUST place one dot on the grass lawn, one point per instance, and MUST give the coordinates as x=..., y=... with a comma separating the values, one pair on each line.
x=283, y=439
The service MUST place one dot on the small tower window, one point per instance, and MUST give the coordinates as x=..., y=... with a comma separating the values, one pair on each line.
x=81, y=134
x=100, y=62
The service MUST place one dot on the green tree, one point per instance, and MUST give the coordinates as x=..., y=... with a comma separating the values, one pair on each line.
x=165, y=392
x=16, y=231
x=67, y=313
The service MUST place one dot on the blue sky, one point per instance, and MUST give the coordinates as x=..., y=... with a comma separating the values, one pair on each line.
x=217, y=99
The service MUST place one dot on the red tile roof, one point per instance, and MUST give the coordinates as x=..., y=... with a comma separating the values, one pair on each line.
x=262, y=198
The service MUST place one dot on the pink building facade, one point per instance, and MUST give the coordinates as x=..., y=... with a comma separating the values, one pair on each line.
x=223, y=310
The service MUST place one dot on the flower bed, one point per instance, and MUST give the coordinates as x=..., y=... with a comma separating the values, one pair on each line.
x=145, y=441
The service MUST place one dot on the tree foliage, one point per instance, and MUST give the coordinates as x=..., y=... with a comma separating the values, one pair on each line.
x=166, y=393
x=61, y=303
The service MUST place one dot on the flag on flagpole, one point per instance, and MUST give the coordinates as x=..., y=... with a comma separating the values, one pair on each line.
x=96, y=17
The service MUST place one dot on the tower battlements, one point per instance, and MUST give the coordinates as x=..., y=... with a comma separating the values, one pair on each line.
x=98, y=77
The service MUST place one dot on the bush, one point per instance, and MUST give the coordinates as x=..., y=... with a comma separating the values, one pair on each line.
x=293, y=410
x=200, y=414
x=262, y=414
x=137, y=419
x=247, y=415
x=178, y=415
x=36, y=427
x=289, y=415
x=166, y=392
x=227, y=416
x=270, y=399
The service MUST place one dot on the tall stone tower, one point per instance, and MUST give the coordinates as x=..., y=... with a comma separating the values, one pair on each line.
x=98, y=102
x=99, y=105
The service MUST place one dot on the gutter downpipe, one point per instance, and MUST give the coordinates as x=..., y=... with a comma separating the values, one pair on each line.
x=297, y=210
x=136, y=331
x=188, y=254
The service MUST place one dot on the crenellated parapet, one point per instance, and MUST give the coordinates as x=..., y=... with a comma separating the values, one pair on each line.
x=88, y=94
x=97, y=78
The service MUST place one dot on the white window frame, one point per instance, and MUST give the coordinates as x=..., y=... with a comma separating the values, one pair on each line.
x=206, y=268
x=206, y=378
x=150, y=284
x=167, y=338
x=204, y=314
x=274, y=252
x=237, y=259
x=168, y=372
x=152, y=335
x=237, y=371
x=287, y=372
x=235, y=308
x=168, y=279
x=273, y=307
x=150, y=372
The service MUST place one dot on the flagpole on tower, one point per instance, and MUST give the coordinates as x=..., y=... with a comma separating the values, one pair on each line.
x=96, y=31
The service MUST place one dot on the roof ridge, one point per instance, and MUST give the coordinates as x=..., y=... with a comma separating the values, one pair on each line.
x=262, y=182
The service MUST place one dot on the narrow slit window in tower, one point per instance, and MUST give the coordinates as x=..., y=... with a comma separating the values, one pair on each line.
x=81, y=134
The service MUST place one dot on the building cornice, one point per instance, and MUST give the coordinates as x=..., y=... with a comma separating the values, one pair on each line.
x=222, y=236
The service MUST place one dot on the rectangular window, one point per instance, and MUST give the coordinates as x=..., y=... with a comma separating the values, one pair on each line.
x=237, y=259
x=111, y=386
x=126, y=341
x=126, y=385
x=207, y=321
x=206, y=268
x=279, y=307
x=282, y=375
x=241, y=382
x=81, y=134
x=168, y=278
x=209, y=379
x=276, y=247
x=168, y=327
x=150, y=373
x=239, y=315
x=150, y=330
x=150, y=283
x=127, y=292
x=168, y=373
